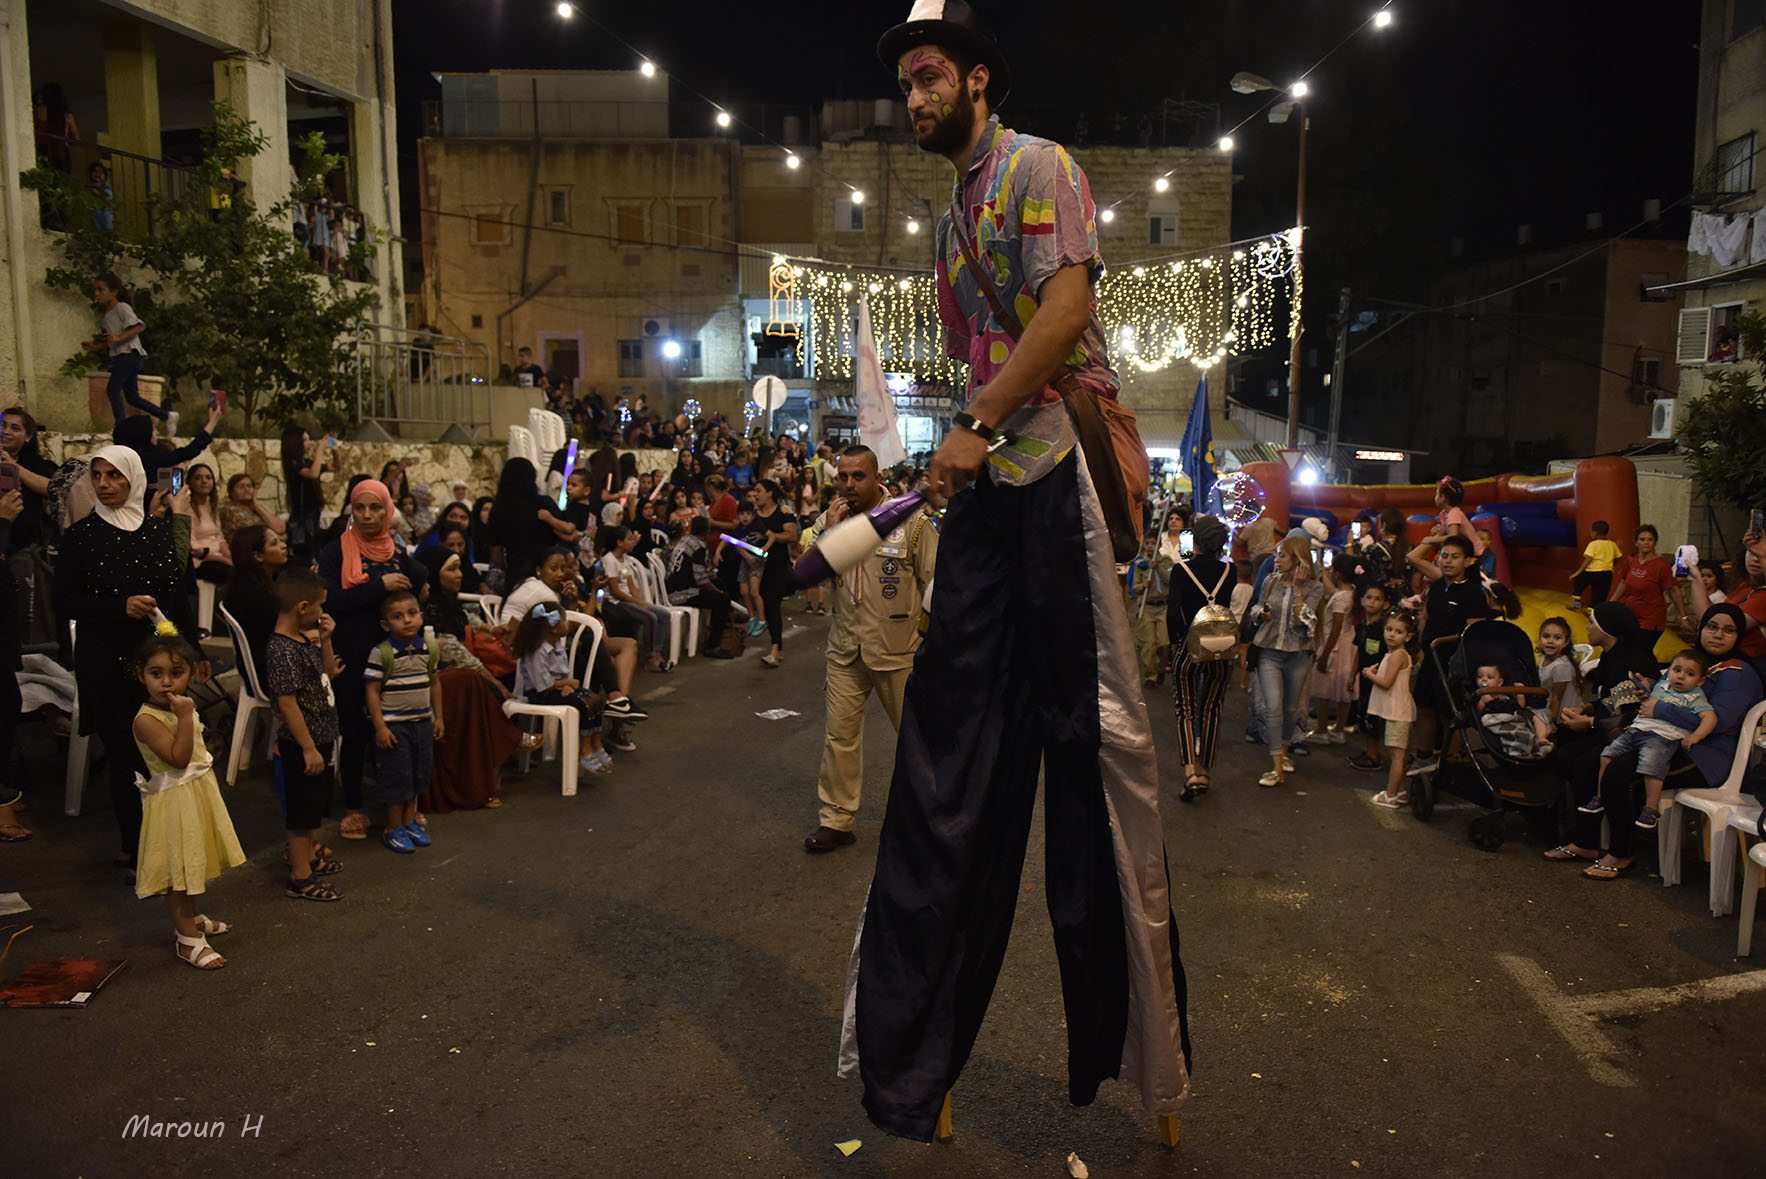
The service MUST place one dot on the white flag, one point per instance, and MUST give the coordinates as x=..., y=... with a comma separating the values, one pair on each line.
x=876, y=408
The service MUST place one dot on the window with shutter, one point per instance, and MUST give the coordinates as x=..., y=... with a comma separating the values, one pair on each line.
x=628, y=223
x=1694, y=335
x=690, y=225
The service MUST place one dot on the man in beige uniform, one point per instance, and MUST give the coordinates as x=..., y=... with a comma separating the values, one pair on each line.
x=872, y=637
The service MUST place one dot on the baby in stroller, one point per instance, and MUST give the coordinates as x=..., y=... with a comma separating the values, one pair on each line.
x=1520, y=732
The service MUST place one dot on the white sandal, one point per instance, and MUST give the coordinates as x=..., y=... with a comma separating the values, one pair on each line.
x=202, y=955
x=210, y=927
x=1269, y=779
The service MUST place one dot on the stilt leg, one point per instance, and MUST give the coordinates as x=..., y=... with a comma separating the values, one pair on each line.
x=943, y=1132
x=1168, y=1129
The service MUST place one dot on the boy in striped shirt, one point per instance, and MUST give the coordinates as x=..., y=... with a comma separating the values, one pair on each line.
x=404, y=702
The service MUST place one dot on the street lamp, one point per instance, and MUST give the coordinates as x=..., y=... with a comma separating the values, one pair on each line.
x=1248, y=83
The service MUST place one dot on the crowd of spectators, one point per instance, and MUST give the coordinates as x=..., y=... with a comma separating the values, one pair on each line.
x=1350, y=627
x=116, y=543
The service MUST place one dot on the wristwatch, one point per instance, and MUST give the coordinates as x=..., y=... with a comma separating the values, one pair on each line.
x=963, y=420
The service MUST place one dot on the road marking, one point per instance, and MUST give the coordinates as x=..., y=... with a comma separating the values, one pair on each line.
x=1574, y=1016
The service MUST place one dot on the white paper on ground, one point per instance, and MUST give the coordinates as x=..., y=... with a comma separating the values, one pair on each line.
x=777, y=714
x=12, y=902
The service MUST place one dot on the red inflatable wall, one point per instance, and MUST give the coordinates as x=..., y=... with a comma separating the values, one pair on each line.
x=1599, y=489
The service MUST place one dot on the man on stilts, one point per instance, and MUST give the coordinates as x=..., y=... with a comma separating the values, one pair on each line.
x=1029, y=663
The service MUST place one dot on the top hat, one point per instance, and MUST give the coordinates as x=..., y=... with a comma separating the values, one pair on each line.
x=951, y=23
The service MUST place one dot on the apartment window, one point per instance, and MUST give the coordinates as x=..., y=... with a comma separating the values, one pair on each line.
x=1735, y=165
x=478, y=321
x=849, y=216
x=1646, y=374
x=628, y=223
x=690, y=225
x=692, y=360
x=1162, y=221
x=490, y=229
x=557, y=206
x=1746, y=16
x=631, y=358
x=1724, y=344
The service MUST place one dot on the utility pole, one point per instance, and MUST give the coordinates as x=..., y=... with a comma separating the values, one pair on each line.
x=1299, y=286
x=1337, y=374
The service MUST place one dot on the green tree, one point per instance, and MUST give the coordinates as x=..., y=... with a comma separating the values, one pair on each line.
x=1724, y=434
x=229, y=296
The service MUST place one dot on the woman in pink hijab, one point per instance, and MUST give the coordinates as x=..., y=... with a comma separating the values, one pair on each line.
x=360, y=569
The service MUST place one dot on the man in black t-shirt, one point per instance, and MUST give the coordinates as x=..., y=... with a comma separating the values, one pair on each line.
x=528, y=375
x=1454, y=600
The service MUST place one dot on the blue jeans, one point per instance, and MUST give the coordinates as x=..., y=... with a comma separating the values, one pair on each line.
x=1281, y=684
x=124, y=385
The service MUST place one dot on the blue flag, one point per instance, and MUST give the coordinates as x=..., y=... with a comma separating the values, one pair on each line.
x=1197, y=448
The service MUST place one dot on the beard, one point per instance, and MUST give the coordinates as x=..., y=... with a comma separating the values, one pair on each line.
x=952, y=131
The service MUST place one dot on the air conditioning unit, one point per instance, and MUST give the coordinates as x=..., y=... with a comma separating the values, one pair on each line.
x=655, y=329
x=1666, y=416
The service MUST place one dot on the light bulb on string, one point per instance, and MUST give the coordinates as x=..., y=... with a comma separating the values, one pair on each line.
x=565, y=12
x=913, y=225
x=1383, y=18
x=1107, y=216
x=1161, y=184
x=1226, y=143
x=858, y=196
x=1300, y=89
x=792, y=161
x=648, y=69
x=723, y=119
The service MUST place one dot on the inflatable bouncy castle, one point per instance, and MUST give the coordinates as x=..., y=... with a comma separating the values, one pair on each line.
x=1538, y=524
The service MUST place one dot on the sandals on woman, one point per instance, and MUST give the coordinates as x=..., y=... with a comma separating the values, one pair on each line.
x=1390, y=801
x=1271, y=779
x=201, y=955
x=1565, y=853
x=354, y=826
x=210, y=927
x=13, y=833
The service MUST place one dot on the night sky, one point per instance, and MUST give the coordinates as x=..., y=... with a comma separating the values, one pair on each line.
x=1464, y=118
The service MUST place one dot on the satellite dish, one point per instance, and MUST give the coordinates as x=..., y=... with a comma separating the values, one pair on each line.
x=770, y=393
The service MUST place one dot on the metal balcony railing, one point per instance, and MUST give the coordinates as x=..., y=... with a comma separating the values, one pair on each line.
x=413, y=384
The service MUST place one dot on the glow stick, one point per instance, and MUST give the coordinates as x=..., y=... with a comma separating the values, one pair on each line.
x=569, y=466
x=742, y=544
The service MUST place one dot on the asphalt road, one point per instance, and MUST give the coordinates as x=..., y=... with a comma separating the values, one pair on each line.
x=646, y=980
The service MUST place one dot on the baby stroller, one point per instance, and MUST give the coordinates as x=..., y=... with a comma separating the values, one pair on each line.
x=1486, y=775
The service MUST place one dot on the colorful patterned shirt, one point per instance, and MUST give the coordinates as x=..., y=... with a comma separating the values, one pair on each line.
x=1027, y=212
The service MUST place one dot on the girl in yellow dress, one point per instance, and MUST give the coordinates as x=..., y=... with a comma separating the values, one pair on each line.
x=187, y=837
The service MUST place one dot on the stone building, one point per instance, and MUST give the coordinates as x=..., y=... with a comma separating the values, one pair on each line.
x=566, y=213
x=139, y=80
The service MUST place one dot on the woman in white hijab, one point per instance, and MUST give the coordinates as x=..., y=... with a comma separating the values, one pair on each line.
x=117, y=566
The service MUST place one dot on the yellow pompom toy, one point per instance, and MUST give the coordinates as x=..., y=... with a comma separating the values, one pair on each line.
x=165, y=627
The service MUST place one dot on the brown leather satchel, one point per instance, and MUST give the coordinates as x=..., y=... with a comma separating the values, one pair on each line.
x=1114, y=452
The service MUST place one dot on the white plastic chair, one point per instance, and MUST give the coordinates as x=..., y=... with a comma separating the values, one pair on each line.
x=522, y=444
x=659, y=584
x=548, y=432
x=79, y=747
x=680, y=618
x=1585, y=659
x=1753, y=867
x=558, y=722
x=205, y=606
x=252, y=698
x=488, y=606
x=1720, y=805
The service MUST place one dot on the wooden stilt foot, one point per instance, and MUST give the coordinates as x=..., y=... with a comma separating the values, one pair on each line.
x=942, y=1132
x=1168, y=1129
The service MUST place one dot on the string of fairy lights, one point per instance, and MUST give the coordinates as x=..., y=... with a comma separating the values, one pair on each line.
x=1199, y=308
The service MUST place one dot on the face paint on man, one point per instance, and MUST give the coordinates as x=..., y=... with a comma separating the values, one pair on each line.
x=942, y=121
